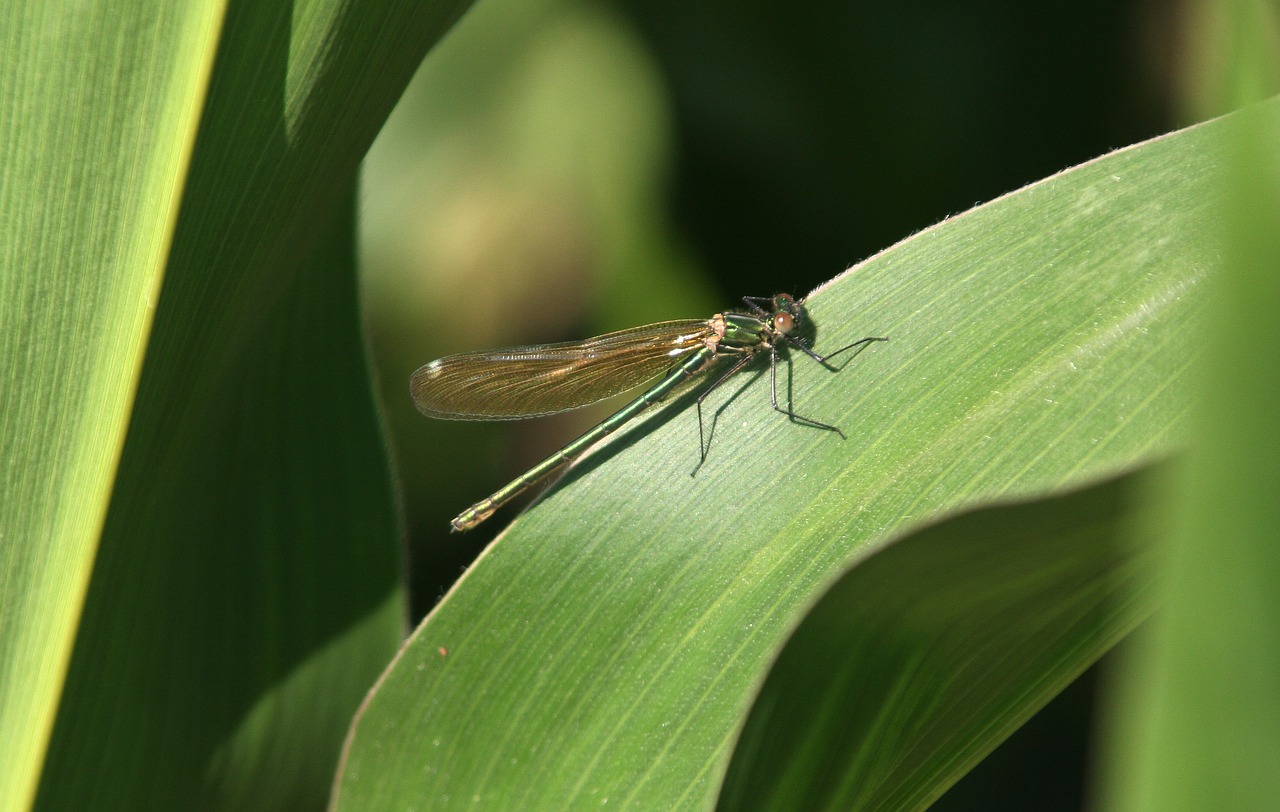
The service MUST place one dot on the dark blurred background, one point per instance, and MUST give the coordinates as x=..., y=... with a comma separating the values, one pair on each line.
x=559, y=168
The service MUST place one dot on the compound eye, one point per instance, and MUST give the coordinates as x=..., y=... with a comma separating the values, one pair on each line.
x=784, y=323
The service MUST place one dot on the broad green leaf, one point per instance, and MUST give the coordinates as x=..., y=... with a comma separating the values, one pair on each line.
x=245, y=589
x=607, y=648
x=94, y=144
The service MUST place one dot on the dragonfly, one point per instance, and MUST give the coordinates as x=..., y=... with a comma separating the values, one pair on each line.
x=543, y=379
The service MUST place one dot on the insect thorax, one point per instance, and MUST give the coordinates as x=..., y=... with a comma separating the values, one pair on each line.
x=744, y=331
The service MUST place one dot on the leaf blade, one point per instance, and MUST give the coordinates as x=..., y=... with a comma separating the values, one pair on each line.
x=86, y=215
x=611, y=642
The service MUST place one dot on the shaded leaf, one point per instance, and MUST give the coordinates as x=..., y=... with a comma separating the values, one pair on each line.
x=245, y=589
x=931, y=651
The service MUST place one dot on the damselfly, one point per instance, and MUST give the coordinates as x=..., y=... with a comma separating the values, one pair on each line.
x=543, y=379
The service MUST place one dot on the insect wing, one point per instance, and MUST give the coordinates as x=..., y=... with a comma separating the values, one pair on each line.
x=520, y=382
